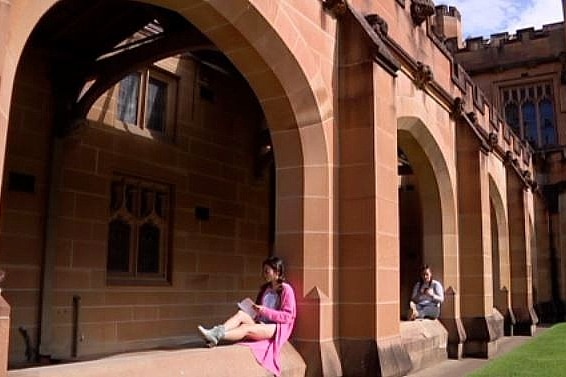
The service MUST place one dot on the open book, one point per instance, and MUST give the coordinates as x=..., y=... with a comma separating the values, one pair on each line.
x=247, y=305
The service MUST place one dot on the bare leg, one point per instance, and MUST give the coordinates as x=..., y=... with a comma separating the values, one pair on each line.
x=254, y=331
x=238, y=319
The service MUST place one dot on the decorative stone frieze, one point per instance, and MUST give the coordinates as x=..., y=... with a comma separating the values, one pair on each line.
x=423, y=75
x=378, y=24
x=336, y=7
x=421, y=10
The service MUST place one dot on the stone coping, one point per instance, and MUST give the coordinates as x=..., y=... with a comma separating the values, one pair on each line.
x=225, y=360
x=425, y=341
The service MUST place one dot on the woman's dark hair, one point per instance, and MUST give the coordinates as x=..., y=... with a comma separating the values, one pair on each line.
x=277, y=265
x=423, y=269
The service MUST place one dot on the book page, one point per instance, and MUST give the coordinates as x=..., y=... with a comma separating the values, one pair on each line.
x=247, y=305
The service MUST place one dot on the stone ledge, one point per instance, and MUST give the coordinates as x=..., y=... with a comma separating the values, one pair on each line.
x=425, y=341
x=225, y=361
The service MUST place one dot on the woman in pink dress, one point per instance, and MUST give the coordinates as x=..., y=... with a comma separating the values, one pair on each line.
x=270, y=324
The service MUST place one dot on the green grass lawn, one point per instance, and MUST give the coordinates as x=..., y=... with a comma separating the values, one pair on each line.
x=543, y=356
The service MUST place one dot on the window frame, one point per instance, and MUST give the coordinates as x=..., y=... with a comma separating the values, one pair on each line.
x=523, y=96
x=170, y=112
x=137, y=220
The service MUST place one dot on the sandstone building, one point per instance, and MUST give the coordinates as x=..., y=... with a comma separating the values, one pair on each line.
x=156, y=151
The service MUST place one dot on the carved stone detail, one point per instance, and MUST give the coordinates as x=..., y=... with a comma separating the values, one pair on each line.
x=473, y=117
x=510, y=158
x=336, y=7
x=492, y=139
x=458, y=107
x=378, y=24
x=420, y=10
x=423, y=75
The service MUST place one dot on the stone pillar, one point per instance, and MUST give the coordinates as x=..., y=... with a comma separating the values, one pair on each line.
x=370, y=342
x=520, y=256
x=453, y=324
x=559, y=259
x=4, y=14
x=4, y=332
x=482, y=327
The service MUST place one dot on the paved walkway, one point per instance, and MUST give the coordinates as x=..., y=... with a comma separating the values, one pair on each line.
x=461, y=368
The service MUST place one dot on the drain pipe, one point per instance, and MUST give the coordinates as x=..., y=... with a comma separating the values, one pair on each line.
x=50, y=252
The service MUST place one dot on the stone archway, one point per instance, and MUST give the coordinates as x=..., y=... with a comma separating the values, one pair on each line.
x=293, y=90
x=439, y=231
x=437, y=197
x=500, y=255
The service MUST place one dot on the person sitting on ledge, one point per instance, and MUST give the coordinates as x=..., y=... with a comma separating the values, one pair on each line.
x=427, y=296
x=265, y=325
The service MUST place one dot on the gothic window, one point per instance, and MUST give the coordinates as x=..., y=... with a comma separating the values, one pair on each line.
x=529, y=110
x=147, y=100
x=138, y=232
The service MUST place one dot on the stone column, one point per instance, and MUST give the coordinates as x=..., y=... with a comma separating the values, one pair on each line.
x=520, y=256
x=4, y=332
x=560, y=254
x=370, y=342
x=482, y=327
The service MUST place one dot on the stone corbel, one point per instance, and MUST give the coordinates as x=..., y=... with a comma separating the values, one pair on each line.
x=510, y=158
x=421, y=10
x=378, y=24
x=336, y=7
x=473, y=118
x=492, y=139
x=423, y=75
x=458, y=107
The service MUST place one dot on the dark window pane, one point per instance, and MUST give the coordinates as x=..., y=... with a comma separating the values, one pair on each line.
x=548, y=129
x=512, y=116
x=128, y=98
x=131, y=199
x=117, y=195
x=530, y=122
x=119, y=246
x=148, y=253
x=522, y=93
x=147, y=202
x=160, y=204
x=156, y=101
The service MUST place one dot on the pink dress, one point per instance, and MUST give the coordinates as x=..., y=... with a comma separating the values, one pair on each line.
x=267, y=352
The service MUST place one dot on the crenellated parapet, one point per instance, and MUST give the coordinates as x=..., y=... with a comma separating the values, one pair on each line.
x=445, y=10
x=505, y=51
x=521, y=35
